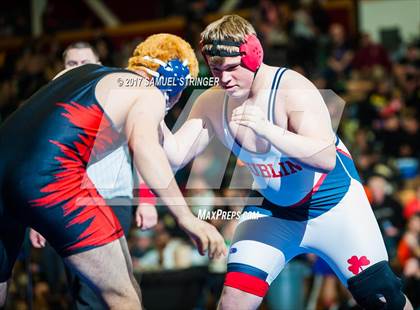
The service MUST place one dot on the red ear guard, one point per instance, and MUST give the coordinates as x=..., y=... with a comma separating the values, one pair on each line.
x=251, y=51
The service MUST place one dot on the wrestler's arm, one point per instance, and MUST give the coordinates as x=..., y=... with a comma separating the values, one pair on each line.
x=192, y=138
x=309, y=137
x=190, y=141
x=149, y=157
x=146, y=215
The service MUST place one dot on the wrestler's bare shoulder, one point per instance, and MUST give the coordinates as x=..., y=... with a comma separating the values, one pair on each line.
x=210, y=103
x=118, y=92
x=295, y=80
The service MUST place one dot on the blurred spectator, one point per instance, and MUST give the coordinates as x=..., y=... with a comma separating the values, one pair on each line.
x=41, y=294
x=320, y=17
x=104, y=46
x=362, y=142
x=194, y=15
x=270, y=24
x=201, y=196
x=168, y=252
x=303, y=25
x=324, y=292
x=377, y=98
x=78, y=54
x=413, y=205
x=407, y=73
x=390, y=136
x=339, y=55
x=409, y=246
x=15, y=21
x=388, y=212
x=31, y=76
x=410, y=134
x=302, y=49
x=409, y=258
x=370, y=55
x=139, y=243
x=287, y=291
x=272, y=21
x=382, y=103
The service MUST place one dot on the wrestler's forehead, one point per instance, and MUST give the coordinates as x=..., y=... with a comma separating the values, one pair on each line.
x=225, y=62
x=80, y=53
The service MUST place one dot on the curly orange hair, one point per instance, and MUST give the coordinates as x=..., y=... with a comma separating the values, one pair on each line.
x=163, y=46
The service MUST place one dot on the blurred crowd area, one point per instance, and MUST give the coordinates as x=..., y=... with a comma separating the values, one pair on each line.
x=380, y=85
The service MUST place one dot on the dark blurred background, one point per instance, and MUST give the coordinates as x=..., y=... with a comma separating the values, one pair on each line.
x=367, y=52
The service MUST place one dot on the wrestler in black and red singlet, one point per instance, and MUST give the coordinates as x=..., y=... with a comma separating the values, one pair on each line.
x=46, y=146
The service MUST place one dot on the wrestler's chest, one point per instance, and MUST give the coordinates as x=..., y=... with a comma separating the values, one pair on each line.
x=248, y=139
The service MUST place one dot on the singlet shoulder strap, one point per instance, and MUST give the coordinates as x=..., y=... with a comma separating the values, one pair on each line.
x=273, y=93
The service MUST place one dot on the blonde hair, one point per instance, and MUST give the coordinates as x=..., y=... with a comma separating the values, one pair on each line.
x=165, y=47
x=232, y=28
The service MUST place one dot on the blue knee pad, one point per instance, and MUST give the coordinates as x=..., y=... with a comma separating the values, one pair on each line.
x=374, y=282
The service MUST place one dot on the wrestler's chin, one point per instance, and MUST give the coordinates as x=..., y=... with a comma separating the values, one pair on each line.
x=237, y=93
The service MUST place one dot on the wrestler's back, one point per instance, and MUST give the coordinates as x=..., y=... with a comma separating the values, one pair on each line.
x=61, y=121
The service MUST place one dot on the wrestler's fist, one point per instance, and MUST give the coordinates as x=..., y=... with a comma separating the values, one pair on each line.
x=205, y=236
x=252, y=117
x=37, y=240
x=146, y=216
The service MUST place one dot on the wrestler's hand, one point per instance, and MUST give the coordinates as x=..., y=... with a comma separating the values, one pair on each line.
x=146, y=216
x=205, y=236
x=252, y=117
x=37, y=240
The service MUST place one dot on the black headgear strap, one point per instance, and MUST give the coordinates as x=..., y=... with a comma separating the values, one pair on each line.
x=214, y=51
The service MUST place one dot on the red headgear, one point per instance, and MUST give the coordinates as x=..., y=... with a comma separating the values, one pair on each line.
x=250, y=50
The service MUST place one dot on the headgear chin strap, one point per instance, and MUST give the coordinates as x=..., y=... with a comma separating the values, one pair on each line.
x=171, y=77
x=250, y=50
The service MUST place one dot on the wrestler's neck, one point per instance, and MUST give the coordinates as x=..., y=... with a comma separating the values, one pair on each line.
x=259, y=80
x=143, y=73
x=262, y=78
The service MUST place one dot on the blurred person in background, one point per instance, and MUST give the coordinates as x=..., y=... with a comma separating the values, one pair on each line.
x=370, y=56
x=324, y=291
x=388, y=134
x=80, y=53
x=413, y=205
x=168, y=253
x=388, y=212
x=410, y=134
x=339, y=56
x=140, y=243
x=409, y=258
x=407, y=73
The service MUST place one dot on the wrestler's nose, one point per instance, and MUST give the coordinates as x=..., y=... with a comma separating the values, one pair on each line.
x=225, y=77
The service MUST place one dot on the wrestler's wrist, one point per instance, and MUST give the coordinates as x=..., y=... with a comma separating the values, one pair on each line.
x=265, y=129
x=181, y=213
x=185, y=219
